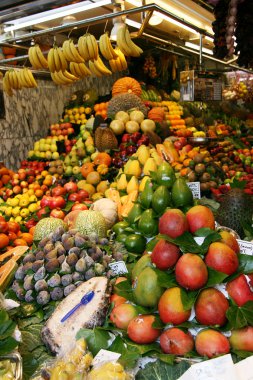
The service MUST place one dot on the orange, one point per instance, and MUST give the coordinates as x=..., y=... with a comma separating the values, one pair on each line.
x=4, y=241
x=18, y=242
x=27, y=237
x=87, y=168
x=31, y=230
x=93, y=178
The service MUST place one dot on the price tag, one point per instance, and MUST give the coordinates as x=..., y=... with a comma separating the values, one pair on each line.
x=195, y=188
x=246, y=247
x=104, y=356
x=221, y=368
x=242, y=369
x=199, y=239
x=119, y=267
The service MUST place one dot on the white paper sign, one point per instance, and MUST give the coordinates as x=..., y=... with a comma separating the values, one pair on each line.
x=244, y=369
x=221, y=368
x=195, y=188
x=199, y=239
x=104, y=356
x=119, y=267
x=246, y=247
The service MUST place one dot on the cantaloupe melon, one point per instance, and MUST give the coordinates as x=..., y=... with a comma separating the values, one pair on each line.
x=88, y=222
x=47, y=225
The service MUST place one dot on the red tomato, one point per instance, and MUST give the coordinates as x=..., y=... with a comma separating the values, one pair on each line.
x=3, y=226
x=140, y=329
x=13, y=227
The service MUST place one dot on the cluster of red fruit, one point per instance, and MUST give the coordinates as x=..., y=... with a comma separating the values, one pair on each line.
x=37, y=166
x=11, y=236
x=69, y=144
x=62, y=129
x=128, y=146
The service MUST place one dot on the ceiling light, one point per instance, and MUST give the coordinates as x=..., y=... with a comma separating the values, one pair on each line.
x=208, y=38
x=54, y=14
x=174, y=22
x=68, y=20
x=155, y=20
x=196, y=47
x=132, y=23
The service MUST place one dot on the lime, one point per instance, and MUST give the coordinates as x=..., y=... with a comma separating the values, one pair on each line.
x=135, y=243
x=121, y=237
x=119, y=227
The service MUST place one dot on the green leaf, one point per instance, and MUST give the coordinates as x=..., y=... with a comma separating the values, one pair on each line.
x=6, y=329
x=187, y=243
x=96, y=339
x=203, y=232
x=188, y=298
x=212, y=204
x=30, y=364
x=165, y=279
x=151, y=244
x=129, y=355
x=68, y=206
x=142, y=349
x=215, y=277
x=159, y=370
x=166, y=358
x=236, y=317
x=7, y=345
x=158, y=324
x=247, y=228
x=247, y=310
x=124, y=289
x=245, y=263
x=238, y=184
x=3, y=316
x=242, y=354
x=31, y=338
x=210, y=238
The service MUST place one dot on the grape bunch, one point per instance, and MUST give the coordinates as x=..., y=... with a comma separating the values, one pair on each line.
x=60, y=263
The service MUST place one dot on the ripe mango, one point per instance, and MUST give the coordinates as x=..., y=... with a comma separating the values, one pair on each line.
x=143, y=182
x=147, y=292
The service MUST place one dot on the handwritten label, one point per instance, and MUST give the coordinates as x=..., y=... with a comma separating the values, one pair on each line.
x=118, y=267
x=221, y=368
x=246, y=247
x=242, y=369
x=104, y=356
x=195, y=189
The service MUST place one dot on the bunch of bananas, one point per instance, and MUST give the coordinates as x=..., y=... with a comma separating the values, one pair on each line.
x=63, y=77
x=80, y=70
x=88, y=47
x=56, y=60
x=98, y=68
x=126, y=45
x=106, y=48
x=120, y=63
x=71, y=53
x=15, y=80
x=36, y=58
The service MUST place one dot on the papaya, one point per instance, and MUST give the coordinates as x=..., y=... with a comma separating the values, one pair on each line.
x=146, y=290
x=181, y=194
x=142, y=263
x=146, y=195
x=161, y=199
x=134, y=214
x=147, y=224
x=165, y=175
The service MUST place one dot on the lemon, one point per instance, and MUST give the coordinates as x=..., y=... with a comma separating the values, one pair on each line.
x=15, y=211
x=8, y=211
x=24, y=202
x=24, y=212
x=18, y=219
x=32, y=198
x=33, y=207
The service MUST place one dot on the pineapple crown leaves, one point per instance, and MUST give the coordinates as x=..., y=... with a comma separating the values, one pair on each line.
x=237, y=184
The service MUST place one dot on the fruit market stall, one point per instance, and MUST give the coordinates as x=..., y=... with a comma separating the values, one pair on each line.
x=126, y=234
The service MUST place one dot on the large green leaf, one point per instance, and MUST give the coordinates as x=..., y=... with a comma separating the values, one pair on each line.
x=165, y=279
x=246, y=263
x=129, y=355
x=96, y=339
x=188, y=298
x=162, y=371
x=6, y=329
x=7, y=345
x=215, y=277
x=124, y=289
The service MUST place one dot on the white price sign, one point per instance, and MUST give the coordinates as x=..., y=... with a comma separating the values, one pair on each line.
x=119, y=267
x=246, y=247
x=104, y=356
x=195, y=188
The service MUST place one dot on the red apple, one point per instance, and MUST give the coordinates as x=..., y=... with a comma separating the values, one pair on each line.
x=165, y=255
x=173, y=223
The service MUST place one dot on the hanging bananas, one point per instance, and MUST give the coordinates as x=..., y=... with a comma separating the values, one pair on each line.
x=118, y=64
x=63, y=77
x=126, y=45
x=80, y=70
x=106, y=48
x=88, y=47
x=15, y=80
x=98, y=68
x=70, y=52
x=36, y=58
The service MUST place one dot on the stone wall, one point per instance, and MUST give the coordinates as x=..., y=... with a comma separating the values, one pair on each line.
x=29, y=113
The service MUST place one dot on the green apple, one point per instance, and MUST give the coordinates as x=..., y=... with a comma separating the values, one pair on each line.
x=76, y=170
x=55, y=155
x=68, y=170
x=48, y=155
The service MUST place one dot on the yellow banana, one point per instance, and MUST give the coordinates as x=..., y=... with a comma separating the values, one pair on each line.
x=82, y=47
x=56, y=79
x=84, y=69
x=92, y=46
x=113, y=66
x=50, y=59
x=21, y=78
x=118, y=64
x=64, y=63
x=66, y=51
x=106, y=48
x=42, y=59
x=63, y=78
x=57, y=61
x=13, y=80
x=121, y=41
x=70, y=76
x=72, y=69
x=28, y=74
x=94, y=70
x=6, y=84
x=16, y=73
x=74, y=52
x=33, y=58
x=101, y=67
x=136, y=51
x=122, y=58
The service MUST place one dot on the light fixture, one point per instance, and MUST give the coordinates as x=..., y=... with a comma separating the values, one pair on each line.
x=68, y=19
x=54, y=14
x=174, y=22
x=133, y=23
x=196, y=47
x=155, y=20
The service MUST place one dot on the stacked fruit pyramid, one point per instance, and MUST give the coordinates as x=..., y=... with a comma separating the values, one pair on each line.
x=112, y=219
